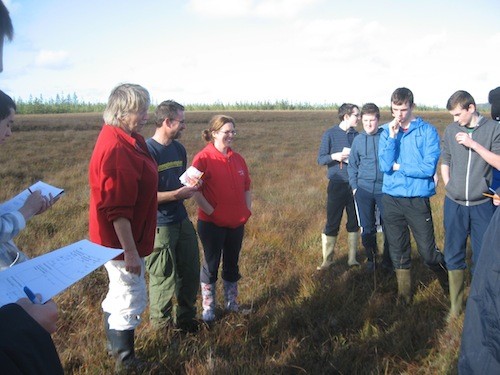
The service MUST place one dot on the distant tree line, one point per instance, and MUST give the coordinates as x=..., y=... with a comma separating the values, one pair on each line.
x=61, y=104
x=280, y=105
x=70, y=103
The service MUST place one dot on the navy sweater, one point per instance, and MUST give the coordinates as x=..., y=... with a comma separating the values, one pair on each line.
x=334, y=140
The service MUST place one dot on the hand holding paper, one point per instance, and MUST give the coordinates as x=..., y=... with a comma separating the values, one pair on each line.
x=346, y=151
x=51, y=273
x=39, y=195
x=191, y=177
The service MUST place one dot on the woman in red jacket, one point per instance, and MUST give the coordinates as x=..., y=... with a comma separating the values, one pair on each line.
x=224, y=202
x=122, y=214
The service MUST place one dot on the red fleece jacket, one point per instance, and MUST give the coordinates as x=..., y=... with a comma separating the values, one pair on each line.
x=123, y=180
x=225, y=181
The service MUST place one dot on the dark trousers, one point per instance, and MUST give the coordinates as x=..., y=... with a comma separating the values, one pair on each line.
x=220, y=242
x=366, y=204
x=460, y=222
x=340, y=198
x=401, y=215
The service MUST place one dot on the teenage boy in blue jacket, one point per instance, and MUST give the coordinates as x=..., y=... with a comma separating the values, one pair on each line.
x=366, y=179
x=471, y=148
x=408, y=156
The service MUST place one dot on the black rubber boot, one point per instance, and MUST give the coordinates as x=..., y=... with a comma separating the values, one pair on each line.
x=122, y=349
x=109, y=348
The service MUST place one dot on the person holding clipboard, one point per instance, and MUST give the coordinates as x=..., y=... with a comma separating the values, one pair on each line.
x=25, y=327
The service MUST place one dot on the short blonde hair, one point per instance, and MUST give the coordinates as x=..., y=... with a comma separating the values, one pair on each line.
x=125, y=99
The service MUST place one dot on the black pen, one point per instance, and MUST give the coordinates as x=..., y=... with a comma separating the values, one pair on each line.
x=30, y=191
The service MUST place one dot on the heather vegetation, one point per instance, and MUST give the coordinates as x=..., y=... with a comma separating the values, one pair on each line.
x=343, y=321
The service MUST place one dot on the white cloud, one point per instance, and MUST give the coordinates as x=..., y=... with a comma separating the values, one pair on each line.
x=221, y=8
x=52, y=59
x=281, y=8
x=250, y=8
x=343, y=40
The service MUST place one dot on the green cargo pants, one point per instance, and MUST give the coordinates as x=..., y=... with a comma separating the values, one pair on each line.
x=174, y=269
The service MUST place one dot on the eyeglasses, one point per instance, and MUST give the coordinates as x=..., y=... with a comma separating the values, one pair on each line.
x=182, y=122
x=227, y=132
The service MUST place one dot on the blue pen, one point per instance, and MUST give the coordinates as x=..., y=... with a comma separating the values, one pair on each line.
x=32, y=297
x=492, y=190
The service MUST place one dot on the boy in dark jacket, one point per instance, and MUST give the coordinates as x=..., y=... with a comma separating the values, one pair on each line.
x=365, y=179
x=479, y=352
x=334, y=153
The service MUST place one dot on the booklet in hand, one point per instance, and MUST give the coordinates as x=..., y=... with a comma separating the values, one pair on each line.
x=191, y=177
x=53, y=272
x=17, y=202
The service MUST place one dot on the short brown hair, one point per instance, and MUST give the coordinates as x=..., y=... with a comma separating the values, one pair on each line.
x=461, y=98
x=401, y=96
x=370, y=109
x=167, y=109
x=346, y=109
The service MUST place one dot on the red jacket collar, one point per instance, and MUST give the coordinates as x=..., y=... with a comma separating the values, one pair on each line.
x=213, y=151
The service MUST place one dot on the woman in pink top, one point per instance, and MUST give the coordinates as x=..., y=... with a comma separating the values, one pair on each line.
x=224, y=202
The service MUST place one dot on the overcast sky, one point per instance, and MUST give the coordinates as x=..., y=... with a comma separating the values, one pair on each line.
x=206, y=51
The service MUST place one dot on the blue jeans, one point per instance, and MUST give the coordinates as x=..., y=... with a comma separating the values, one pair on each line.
x=365, y=204
x=461, y=222
x=220, y=242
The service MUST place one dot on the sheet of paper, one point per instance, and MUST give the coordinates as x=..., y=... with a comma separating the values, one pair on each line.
x=346, y=151
x=191, y=176
x=17, y=202
x=51, y=273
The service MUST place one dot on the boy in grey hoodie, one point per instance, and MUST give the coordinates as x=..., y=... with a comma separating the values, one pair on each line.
x=366, y=179
x=471, y=147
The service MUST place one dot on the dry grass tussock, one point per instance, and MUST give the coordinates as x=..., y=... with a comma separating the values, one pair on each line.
x=343, y=321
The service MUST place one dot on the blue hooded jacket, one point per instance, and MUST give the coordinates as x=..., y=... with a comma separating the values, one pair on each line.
x=417, y=152
x=363, y=168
